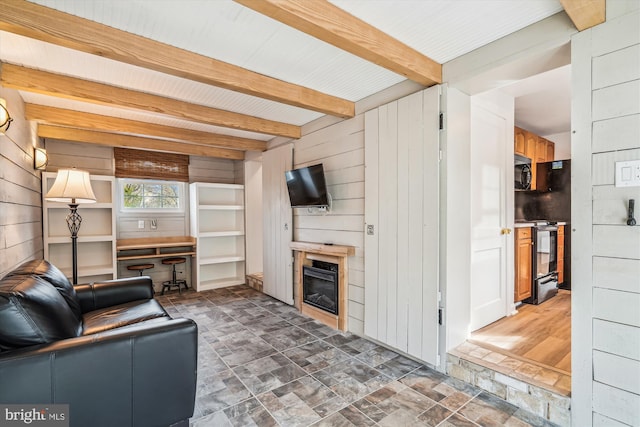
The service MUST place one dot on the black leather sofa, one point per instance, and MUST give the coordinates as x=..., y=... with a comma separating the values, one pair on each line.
x=108, y=349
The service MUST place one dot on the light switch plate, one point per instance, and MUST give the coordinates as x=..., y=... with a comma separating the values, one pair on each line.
x=141, y=223
x=628, y=173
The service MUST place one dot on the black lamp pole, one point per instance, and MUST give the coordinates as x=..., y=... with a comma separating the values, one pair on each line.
x=74, y=220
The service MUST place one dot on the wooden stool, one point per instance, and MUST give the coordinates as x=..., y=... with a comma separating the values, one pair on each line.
x=139, y=267
x=174, y=282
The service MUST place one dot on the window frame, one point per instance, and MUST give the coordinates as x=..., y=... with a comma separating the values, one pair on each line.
x=182, y=197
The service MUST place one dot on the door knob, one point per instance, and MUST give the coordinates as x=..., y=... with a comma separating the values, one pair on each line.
x=505, y=231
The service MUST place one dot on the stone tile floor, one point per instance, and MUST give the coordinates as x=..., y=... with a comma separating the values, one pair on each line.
x=263, y=363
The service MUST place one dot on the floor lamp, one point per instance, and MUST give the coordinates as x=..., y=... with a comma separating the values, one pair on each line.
x=72, y=186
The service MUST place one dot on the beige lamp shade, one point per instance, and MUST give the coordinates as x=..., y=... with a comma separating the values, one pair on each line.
x=71, y=186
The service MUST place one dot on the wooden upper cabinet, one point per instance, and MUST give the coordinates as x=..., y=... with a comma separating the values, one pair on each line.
x=551, y=148
x=530, y=142
x=541, y=150
x=519, y=141
x=535, y=147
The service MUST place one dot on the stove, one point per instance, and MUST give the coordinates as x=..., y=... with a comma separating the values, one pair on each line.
x=545, y=261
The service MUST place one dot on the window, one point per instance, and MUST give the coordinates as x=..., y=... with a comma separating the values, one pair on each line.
x=150, y=195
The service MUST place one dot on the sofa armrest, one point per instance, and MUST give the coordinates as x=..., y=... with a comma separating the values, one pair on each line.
x=113, y=292
x=143, y=374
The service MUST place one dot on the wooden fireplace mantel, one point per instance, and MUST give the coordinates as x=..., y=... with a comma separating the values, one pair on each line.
x=306, y=253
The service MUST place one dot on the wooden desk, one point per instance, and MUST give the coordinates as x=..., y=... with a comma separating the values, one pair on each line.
x=155, y=247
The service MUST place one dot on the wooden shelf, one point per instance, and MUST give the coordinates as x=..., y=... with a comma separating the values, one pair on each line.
x=58, y=240
x=97, y=270
x=323, y=249
x=155, y=244
x=221, y=207
x=58, y=205
x=206, y=285
x=221, y=233
x=217, y=221
x=160, y=255
x=221, y=259
x=97, y=236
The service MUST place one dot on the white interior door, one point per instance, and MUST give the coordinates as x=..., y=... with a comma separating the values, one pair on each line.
x=491, y=169
x=402, y=217
x=277, y=224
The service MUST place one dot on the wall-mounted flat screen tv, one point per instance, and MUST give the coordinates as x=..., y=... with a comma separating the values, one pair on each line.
x=307, y=187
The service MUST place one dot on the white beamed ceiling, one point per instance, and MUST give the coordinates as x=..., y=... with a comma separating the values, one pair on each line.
x=227, y=31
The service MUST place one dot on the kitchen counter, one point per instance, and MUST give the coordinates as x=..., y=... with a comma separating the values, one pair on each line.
x=523, y=224
x=533, y=224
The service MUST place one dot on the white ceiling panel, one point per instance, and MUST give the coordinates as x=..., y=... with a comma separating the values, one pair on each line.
x=44, y=56
x=229, y=32
x=446, y=29
x=159, y=119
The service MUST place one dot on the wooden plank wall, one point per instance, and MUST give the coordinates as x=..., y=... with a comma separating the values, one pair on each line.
x=401, y=255
x=611, y=55
x=20, y=201
x=96, y=159
x=208, y=169
x=340, y=148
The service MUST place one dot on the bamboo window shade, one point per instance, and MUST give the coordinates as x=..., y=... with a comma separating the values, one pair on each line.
x=151, y=165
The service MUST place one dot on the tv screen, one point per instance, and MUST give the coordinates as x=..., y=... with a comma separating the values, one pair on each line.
x=307, y=187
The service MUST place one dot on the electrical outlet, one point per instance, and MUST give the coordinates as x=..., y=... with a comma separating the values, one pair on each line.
x=141, y=223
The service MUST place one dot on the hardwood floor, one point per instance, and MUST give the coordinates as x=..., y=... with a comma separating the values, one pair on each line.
x=540, y=333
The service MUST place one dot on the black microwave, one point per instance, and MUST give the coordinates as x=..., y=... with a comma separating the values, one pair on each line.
x=522, y=172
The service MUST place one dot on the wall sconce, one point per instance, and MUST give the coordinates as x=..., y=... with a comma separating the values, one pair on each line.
x=5, y=118
x=40, y=159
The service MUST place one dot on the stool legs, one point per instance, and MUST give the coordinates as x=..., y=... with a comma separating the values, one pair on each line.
x=174, y=281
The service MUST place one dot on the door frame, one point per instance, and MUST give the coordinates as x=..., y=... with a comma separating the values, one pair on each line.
x=541, y=47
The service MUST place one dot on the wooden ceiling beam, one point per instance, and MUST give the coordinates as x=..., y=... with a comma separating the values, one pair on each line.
x=63, y=29
x=585, y=13
x=128, y=141
x=77, y=119
x=43, y=82
x=333, y=25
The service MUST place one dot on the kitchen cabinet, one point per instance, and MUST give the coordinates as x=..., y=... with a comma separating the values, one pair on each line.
x=519, y=141
x=551, y=148
x=524, y=263
x=535, y=147
x=560, y=253
x=541, y=150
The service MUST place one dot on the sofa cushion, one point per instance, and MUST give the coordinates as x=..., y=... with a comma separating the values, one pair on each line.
x=50, y=273
x=32, y=311
x=122, y=315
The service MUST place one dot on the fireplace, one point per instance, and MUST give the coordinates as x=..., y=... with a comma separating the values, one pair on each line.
x=335, y=257
x=320, y=286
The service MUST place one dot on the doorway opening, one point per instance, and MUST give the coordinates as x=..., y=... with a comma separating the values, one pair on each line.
x=533, y=342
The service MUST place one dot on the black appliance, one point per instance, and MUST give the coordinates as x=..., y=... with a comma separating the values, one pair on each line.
x=551, y=201
x=522, y=172
x=307, y=187
x=545, y=262
x=320, y=285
